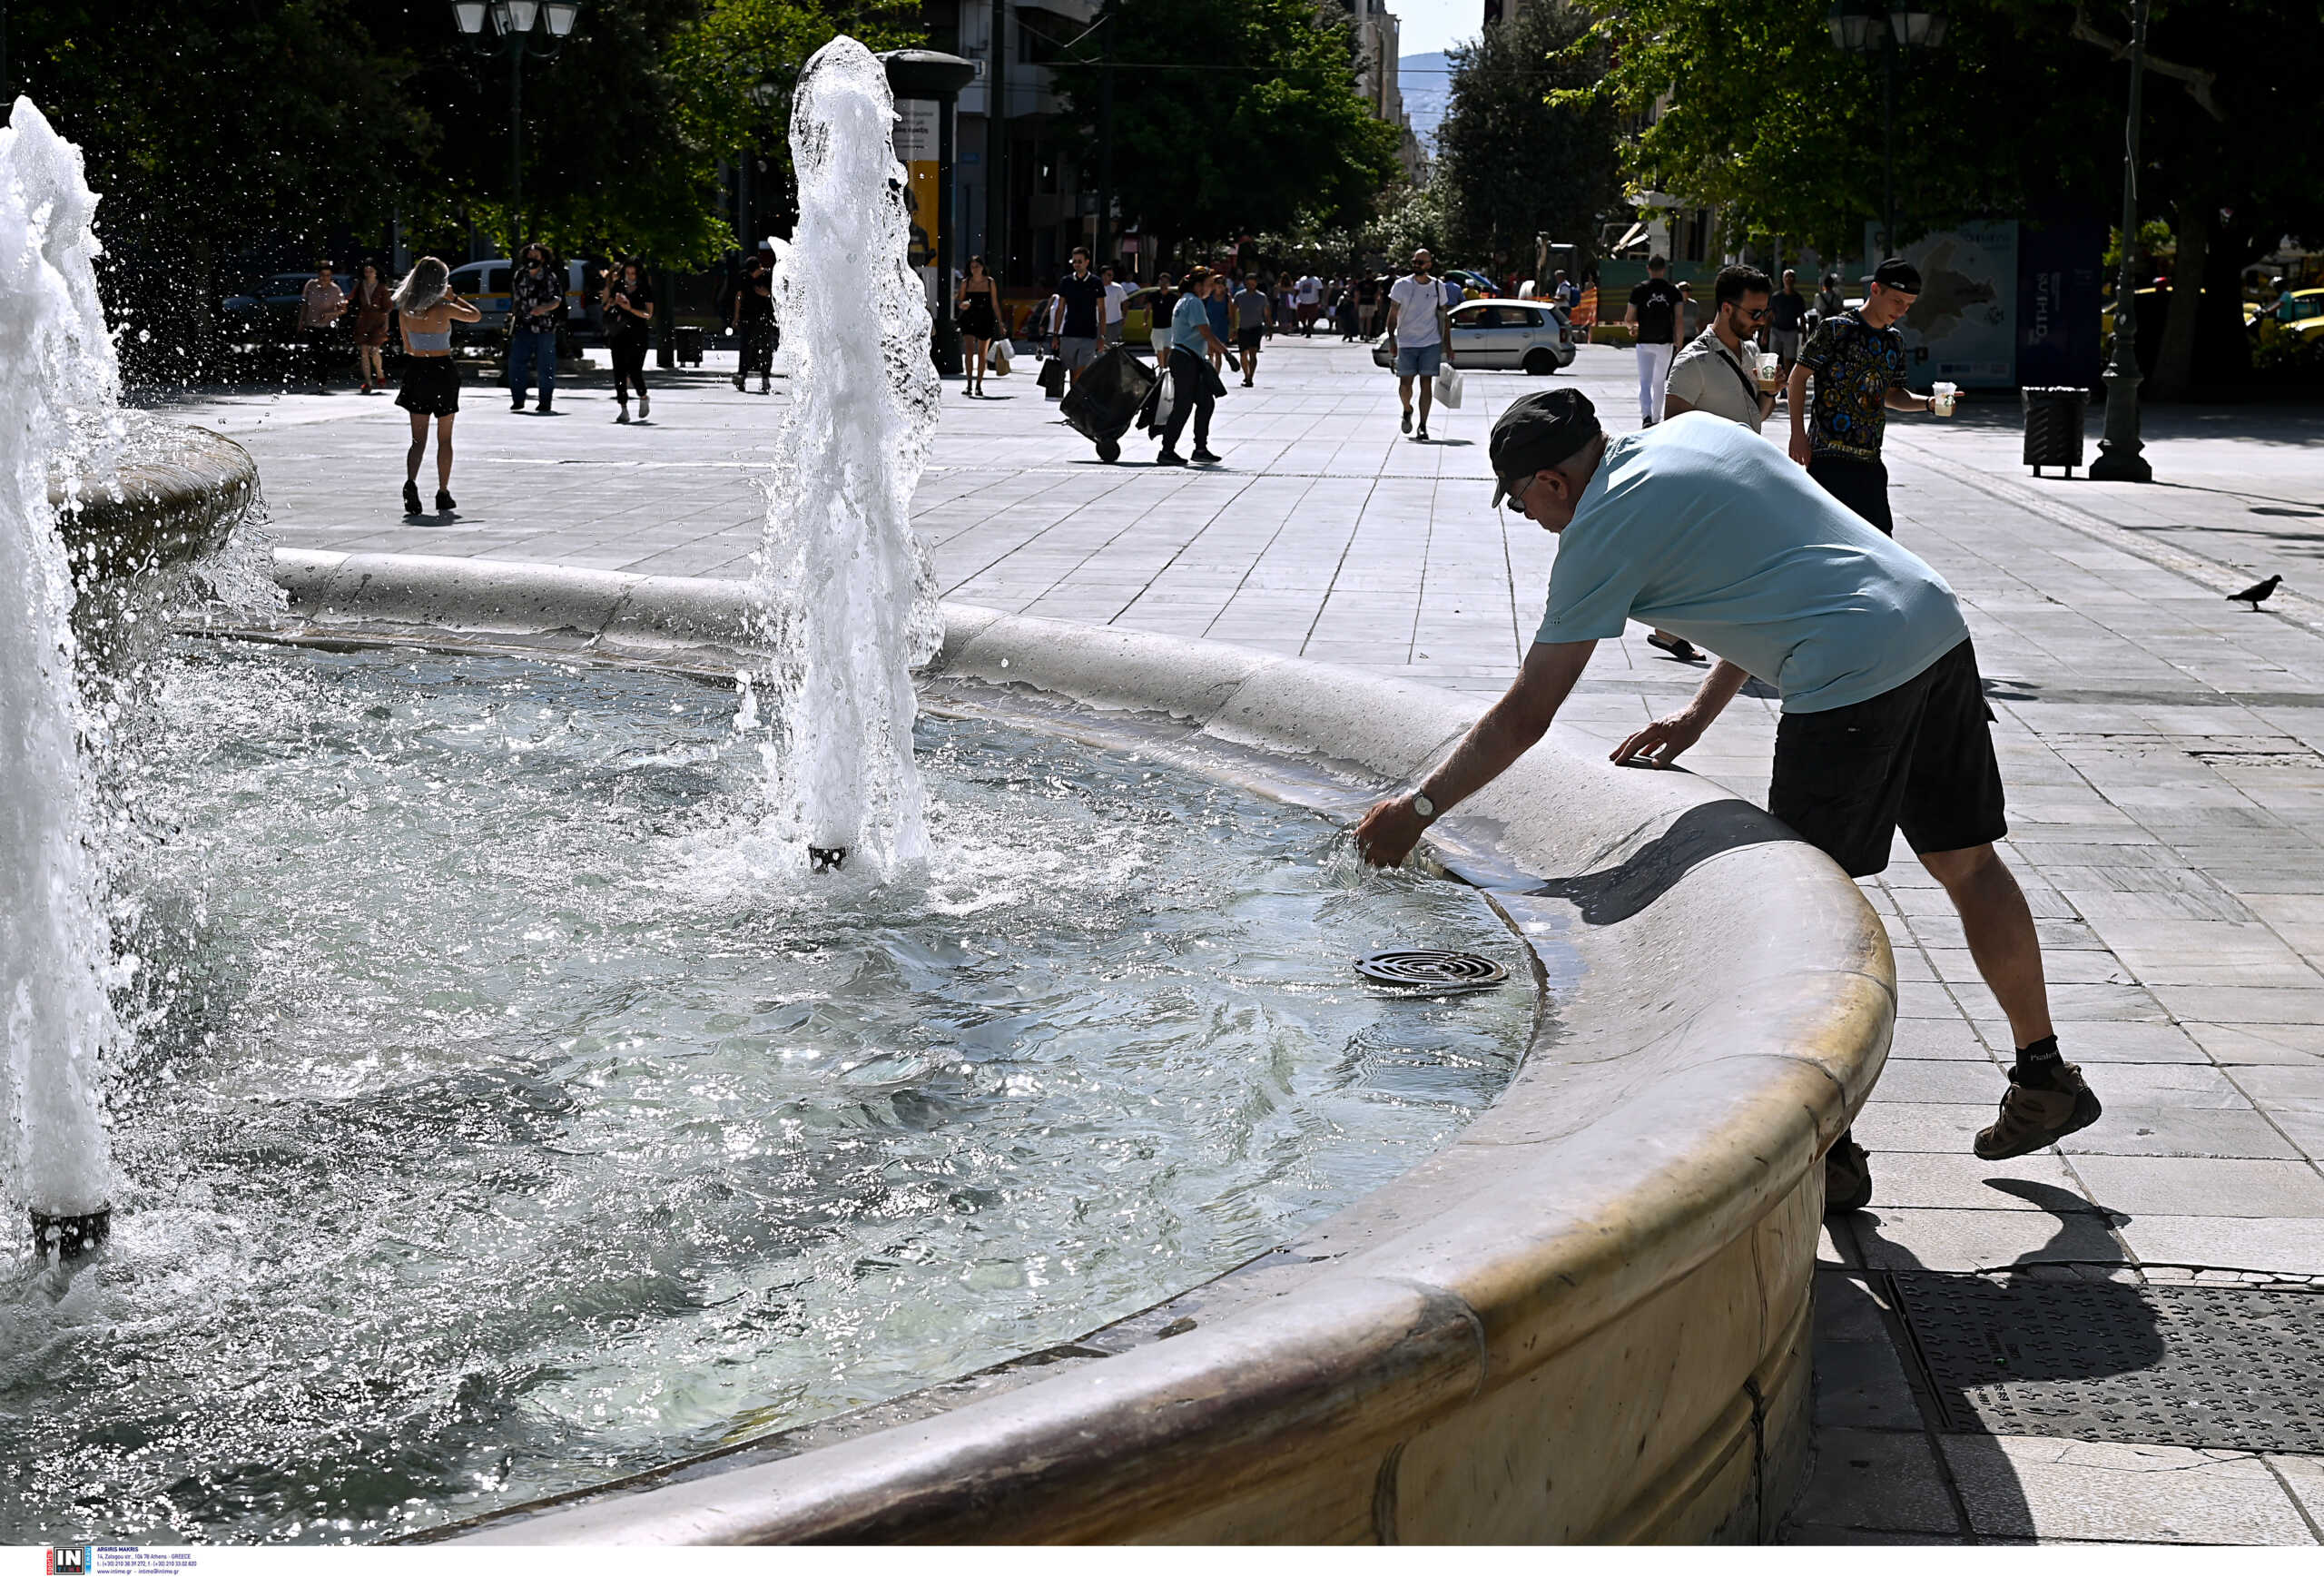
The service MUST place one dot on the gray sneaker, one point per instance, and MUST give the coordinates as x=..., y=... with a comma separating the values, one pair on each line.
x=2034, y=1116
x=1848, y=1178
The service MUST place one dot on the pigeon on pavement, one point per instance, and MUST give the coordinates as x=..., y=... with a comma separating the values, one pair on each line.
x=2256, y=595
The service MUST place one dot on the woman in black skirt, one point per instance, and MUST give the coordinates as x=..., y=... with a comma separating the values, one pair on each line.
x=979, y=321
x=431, y=383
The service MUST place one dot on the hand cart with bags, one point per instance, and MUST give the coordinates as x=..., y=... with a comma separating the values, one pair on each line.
x=1101, y=406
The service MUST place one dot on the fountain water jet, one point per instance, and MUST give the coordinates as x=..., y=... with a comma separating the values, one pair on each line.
x=60, y=387
x=846, y=593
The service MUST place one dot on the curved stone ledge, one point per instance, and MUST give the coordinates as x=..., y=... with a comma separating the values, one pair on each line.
x=1584, y=1319
x=176, y=494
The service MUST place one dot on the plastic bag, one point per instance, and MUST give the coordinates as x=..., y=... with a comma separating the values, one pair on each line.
x=1448, y=387
x=997, y=356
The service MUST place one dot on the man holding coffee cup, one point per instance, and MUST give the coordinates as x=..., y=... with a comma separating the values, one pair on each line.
x=1857, y=362
x=1720, y=370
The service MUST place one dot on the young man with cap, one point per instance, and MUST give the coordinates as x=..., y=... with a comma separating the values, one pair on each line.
x=1701, y=527
x=1857, y=362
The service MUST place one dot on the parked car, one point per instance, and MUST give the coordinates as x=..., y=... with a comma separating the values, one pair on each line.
x=1530, y=335
x=269, y=309
x=486, y=283
x=2305, y=315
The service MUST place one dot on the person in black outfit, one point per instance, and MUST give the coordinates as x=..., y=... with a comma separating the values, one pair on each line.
x=629, y=311
x=1654, y=312
x=1076, y=337
x=1787, y=315
x=754, y=321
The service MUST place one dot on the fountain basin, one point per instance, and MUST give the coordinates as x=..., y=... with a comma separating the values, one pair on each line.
x=1585, y=1319
x=132, y=534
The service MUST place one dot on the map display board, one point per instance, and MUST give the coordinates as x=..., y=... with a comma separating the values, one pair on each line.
x=1964, y=328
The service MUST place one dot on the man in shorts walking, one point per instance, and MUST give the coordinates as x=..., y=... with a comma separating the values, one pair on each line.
x=1419, y=335
x=1856, y=363
x=1116, y=309
x=1081, y=304
x=1253, y=315
x=1702, y=527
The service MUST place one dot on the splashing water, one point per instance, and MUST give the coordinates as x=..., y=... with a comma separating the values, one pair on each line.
x=846, y=593
x=58, y=387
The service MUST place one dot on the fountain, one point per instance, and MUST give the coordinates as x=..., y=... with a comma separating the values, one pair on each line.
x=845, y=593
x=56, y=1024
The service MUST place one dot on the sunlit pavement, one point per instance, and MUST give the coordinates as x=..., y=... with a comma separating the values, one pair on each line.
x=2163, y=747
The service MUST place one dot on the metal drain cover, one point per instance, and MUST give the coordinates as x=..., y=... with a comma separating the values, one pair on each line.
x=2234, y=1368
x=1432, y=969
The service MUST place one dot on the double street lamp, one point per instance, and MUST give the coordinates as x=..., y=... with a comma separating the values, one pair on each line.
x=514, y=23
x=1870, y=27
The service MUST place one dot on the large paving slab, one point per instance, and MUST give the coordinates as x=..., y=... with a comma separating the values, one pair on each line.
x=2164, y=750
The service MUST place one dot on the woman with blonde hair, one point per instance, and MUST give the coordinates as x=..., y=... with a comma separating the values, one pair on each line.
x=425, y=303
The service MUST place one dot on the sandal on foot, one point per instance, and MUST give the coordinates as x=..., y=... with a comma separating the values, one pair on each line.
x=1677, y=647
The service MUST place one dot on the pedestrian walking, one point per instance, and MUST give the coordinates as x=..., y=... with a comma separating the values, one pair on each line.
x=1701, y=525
x=1255, y=315
x=1419, y=331
x=1689, y=314
x=980, y=310
x=372, y=304
x=321, y=304
x=1654, y=313
x=535, y=306
x=1194, y=388
x=629, y=309
x=1787, y=314
x=1075, y=334
x=1218, y=307
x=1117, y=309
x=1367, y=304
x=754, y=323
x=1159, y=333
x=1348, y=315
x=1855, y=362
x=1829, y=302
x=1307, y=297
x=427, y=308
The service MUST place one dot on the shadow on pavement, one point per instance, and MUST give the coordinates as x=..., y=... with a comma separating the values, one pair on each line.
x=1612, y=896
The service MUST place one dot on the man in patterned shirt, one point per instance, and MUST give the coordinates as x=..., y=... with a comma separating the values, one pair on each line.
x=1856, y=362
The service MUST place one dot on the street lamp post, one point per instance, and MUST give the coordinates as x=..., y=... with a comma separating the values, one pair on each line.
x=2118, y=451
x=1871, y=27
x=513, y=24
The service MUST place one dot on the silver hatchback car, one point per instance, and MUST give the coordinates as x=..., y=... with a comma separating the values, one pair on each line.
x=1497, y=332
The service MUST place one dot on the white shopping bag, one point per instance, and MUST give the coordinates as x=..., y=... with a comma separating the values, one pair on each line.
x=997, y=356
x=1448, y=387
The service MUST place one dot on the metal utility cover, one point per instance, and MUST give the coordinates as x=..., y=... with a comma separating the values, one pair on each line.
x=2233, y=1369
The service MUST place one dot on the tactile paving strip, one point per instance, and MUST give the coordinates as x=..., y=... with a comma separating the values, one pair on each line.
x=2228, y=1367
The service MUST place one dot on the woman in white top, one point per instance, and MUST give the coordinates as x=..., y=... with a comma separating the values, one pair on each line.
x=431, y=384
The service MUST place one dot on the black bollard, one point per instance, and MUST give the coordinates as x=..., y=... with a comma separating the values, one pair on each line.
x=825, y=859
x=71, y=1237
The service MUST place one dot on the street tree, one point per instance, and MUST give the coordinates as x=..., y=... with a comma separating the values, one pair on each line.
x=1521, y=151
x=1231, y=115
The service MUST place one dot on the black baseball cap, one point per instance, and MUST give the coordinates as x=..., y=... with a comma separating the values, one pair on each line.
x=1536, y=432
x=1897, y=274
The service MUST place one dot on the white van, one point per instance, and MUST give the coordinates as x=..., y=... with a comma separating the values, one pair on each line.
x=486, y=284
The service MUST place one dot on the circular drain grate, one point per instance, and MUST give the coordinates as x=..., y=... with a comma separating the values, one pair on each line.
x=1430, y=970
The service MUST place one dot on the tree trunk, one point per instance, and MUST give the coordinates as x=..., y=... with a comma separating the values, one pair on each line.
x=2174, y=361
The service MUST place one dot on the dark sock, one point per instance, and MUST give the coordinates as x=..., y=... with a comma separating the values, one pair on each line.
x=2039, y=1063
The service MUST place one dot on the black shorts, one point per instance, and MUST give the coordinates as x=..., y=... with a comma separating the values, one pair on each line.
x=1249, y=338
x=1919, y=758
x=1861, y=484
x=431, y=386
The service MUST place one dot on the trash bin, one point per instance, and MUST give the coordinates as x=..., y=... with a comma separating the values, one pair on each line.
x=1101, y=406
x=689, y=345
x=2054, y=426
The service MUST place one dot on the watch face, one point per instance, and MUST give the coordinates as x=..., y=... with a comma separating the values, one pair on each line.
x=1424, y=805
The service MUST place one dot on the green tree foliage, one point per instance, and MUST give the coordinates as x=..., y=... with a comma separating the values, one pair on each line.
x=1233, y=115
x=1752, y=108
x=1522, y=153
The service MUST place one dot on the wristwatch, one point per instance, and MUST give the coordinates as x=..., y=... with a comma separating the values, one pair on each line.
x=1423, y=807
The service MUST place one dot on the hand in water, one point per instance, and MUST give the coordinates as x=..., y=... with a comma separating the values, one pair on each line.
x=1389, y=832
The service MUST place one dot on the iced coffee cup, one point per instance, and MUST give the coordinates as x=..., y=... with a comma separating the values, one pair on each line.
x=1942, y=395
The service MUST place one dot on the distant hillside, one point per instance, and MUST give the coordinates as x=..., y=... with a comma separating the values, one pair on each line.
x=1420, y=78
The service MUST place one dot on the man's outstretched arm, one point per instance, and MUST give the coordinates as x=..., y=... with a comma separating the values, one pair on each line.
x=1510, y=727
x=1660, y=742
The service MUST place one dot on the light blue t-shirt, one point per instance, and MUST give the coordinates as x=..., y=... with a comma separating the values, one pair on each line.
x=1187, y=320
x=1703, y=527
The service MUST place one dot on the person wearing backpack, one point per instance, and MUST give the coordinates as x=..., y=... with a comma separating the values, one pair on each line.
x=1654, y=313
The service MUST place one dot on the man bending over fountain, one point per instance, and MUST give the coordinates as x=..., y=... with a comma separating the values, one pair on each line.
x=1699, y=526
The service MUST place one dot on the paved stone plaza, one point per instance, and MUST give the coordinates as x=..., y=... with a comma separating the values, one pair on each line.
x=2164, y=750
